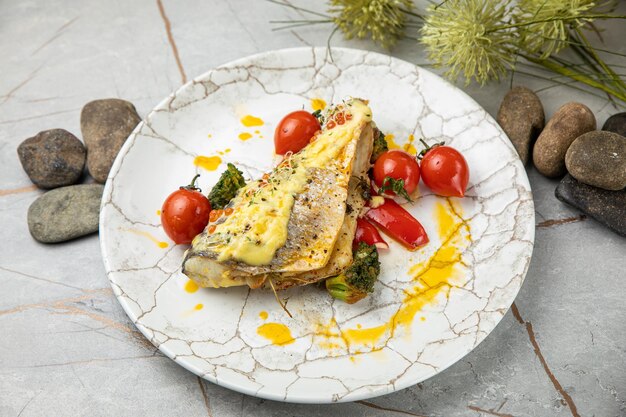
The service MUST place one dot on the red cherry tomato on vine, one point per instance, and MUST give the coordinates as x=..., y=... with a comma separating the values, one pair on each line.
x=445, y=171
x=396, y=165
x=295, y=131
x=185, y=213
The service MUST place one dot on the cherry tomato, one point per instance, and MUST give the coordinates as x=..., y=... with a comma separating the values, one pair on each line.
x=396, y=165
x=295, y=131
x=366, y=232
x=445, y=171
x=185, y=213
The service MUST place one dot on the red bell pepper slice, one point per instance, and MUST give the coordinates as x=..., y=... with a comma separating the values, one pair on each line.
x=366, y=232
x=398, y=224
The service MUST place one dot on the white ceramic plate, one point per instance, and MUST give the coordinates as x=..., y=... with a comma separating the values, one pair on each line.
x=430, y=308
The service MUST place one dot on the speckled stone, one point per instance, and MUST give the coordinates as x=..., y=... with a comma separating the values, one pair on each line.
x=522, y=118
x=607, y=207
x=616, y=124
x=598, y=158
x=65, y=213
x=52, y=158
x=105, y=125
x=570, y=121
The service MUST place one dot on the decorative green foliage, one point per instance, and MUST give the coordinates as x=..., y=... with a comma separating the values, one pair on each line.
x=463, y=36
x=482, y=40
x=554, y=19
x=381, y=20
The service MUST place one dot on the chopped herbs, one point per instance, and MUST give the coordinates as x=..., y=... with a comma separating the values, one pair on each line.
x=395, y=185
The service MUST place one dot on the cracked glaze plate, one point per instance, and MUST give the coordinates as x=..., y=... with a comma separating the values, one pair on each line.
x=430, y=307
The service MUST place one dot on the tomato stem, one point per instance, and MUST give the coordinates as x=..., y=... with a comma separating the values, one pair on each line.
x=192, y=186
x=427, y=148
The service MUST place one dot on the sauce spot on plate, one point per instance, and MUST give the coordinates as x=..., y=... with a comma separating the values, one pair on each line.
x=249, y=121
x=210, y=163
x=191, y=287
x=277, y=333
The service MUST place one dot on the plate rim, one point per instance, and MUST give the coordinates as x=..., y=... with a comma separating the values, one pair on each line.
x=292, y=398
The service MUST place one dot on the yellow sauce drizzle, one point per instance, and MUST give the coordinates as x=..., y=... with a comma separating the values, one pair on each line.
x=209, y=136
x=210, y=163
x=318, y=104
x=158, y=212
x=431, y=279
x=256, y=132
x=391, y=144
x=245, y=136
x=249, y=120
x=198, y=307
x=407, y=147
x=160, y=244
x=191, y=287
x=364, y=337
x=263, y=315
x=226, y=150
x=276, y=333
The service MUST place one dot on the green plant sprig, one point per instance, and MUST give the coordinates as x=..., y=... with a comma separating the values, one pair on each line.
x=497, y=33
x=483, y=40
x=382, y=21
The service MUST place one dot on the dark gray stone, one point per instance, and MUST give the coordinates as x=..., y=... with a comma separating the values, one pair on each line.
x=53, y=158
x=569, y=122
x=598, y=158
x=607, y=207
x=522, y=118
x=65, y=213
x=106, y=124
x=616, y=124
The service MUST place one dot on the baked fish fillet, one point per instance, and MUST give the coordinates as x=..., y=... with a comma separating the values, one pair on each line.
x=287, y=225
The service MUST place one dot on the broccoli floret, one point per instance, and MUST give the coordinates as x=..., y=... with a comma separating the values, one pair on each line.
x=380, y=145
x=358, y=280
x=226, y=188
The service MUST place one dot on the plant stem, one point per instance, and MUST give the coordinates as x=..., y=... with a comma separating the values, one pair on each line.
x=570, y=42
x=296, y=25
x=298, y=8
x=616, y=81
x=555, y=19
x=302, y=21
x=410, y=13
x=566, y=84
x=568, y=72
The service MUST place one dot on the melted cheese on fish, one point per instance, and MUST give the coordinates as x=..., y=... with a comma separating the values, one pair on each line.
x=258, y=226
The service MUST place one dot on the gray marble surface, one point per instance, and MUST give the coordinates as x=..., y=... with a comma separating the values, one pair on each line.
x=68, y=349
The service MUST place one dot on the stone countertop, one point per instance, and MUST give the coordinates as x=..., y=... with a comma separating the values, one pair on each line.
x=68, y=348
